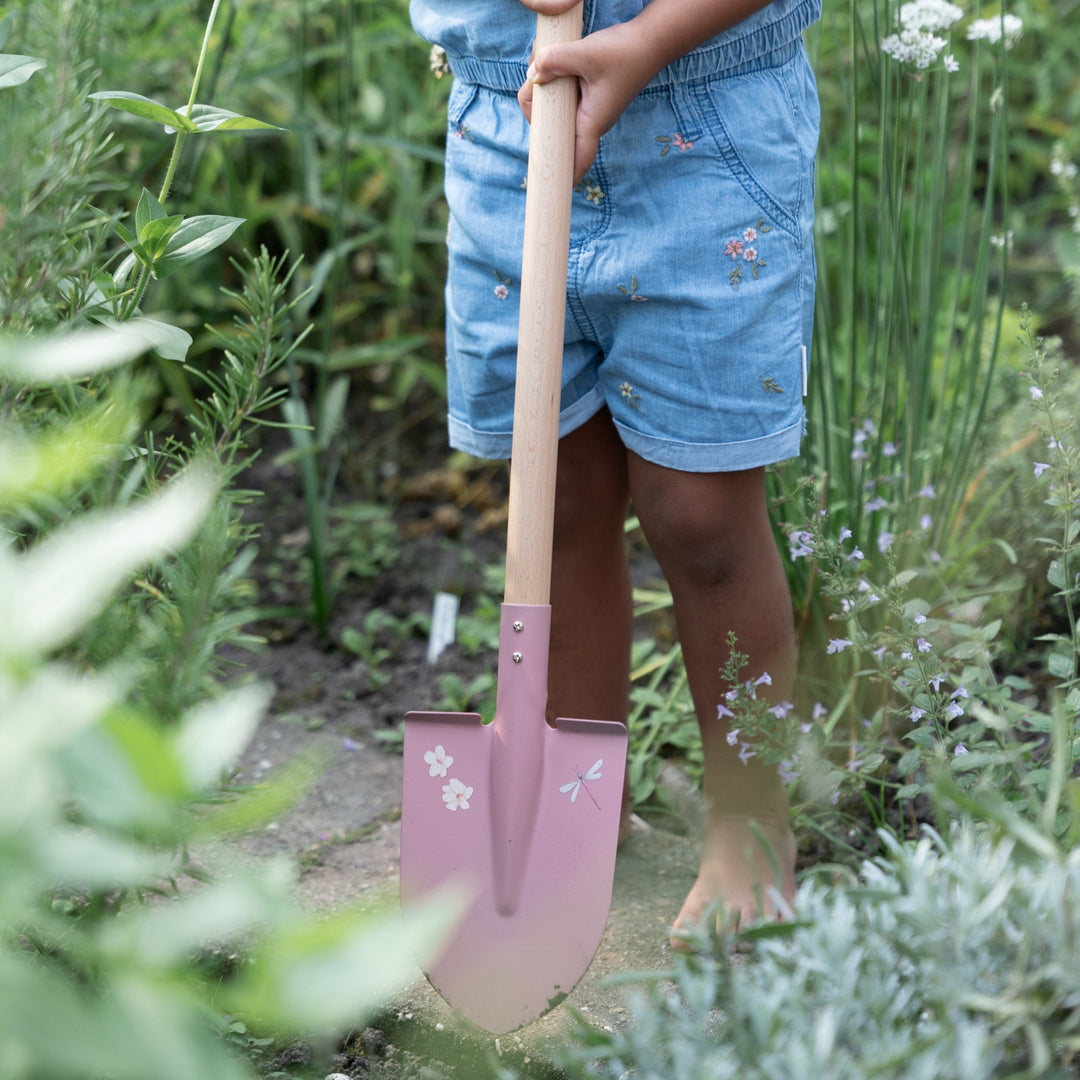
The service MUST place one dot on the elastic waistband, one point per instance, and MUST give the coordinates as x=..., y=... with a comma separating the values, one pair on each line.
x=763, y=47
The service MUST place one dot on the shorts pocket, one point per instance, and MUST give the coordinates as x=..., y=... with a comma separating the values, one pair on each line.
x=754, y=123
x=462, y=95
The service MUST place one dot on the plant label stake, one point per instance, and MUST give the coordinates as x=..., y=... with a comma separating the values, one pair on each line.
x=524, y=814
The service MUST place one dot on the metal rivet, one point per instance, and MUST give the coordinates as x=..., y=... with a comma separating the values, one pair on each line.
x=519, y=626
x=517, y=657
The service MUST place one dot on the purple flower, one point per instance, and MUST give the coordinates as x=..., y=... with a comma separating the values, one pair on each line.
x=884, y=541
x=935, y=680
x=733, y=736
x=855, y=555
x=764, y=679
x=959, y=750
x=876, y=504
x=845, y=534
x=818, y=710
x=954, y=711
x=927, y=492
x=889, y=449
x=959, y=692
x=788, y=773
x=917, y=714
x=924, y=645
x=781, y=710
x=919, y=618
x=838, y=645
x=800, y=544
x=1035, y=392
x=879, y=654
x=1041, y=467
x=745, y=753
x=722, y=711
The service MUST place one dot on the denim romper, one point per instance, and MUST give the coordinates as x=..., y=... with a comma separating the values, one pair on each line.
x=690, y=287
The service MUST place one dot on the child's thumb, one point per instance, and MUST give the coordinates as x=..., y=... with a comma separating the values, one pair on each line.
x=555, y=62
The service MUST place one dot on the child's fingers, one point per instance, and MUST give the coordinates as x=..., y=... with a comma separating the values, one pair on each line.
x=550, y=7
x=586, y=146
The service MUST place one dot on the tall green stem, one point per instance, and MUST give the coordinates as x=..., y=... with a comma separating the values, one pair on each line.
x=135, y=299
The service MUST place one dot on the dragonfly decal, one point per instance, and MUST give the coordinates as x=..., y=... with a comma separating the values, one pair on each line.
x=575, y=787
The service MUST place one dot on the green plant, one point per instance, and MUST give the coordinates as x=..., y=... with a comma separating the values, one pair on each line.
x=106, y=804
x=950, y=956
x=478, y=695
x=913, y=183
x=374, y=642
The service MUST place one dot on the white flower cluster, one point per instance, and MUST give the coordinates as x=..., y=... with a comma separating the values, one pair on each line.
x=918, y=47
x=918, y=42
x=929, y=14
x=992, y=29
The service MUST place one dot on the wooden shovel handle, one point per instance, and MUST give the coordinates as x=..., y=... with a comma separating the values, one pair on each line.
x=540, y=327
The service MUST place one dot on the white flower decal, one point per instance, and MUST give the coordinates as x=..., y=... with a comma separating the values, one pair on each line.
x=456, y=795
x=439, y=760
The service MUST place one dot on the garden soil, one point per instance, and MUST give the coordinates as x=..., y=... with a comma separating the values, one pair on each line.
x=344, y=832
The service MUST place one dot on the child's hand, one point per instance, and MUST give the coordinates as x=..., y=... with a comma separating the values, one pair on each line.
x=611, y=65
x=549, y=7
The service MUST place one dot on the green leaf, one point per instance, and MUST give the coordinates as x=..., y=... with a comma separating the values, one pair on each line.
x=1060, y=665
x=49, y=594
x=6, y=20
x=71, y=356
x=149, y=209
x=15, y=70
x=343, y=967
x=144, y=107
x=155, y=235
x=194, y=238
x=909, y=762
x=966, y=650
x=1056, y=575
x=213, y=735
x=210, y=118
x=170, y=342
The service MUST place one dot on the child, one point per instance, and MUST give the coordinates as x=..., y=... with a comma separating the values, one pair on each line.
x=689, y=313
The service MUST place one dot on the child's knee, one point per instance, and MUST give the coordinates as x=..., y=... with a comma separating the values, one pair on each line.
x=707, y=531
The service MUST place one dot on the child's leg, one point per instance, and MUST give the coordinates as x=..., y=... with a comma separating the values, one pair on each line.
x=710, y=533
x=589, y=668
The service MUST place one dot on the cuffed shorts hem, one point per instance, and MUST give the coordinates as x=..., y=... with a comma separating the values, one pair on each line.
x=715, y=457
x=495, y=446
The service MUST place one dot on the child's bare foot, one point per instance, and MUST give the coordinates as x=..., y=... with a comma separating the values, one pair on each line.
x=737, y=869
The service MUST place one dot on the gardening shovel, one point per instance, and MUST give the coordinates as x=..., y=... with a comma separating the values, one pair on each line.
x=523, y=814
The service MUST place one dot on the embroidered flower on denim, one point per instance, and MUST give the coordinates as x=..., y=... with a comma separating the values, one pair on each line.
x=462, y=130
x=591, y=190
x=502, y=290
x=632, y=291
x=742, y=250
x=632, y=397
x=676, y=140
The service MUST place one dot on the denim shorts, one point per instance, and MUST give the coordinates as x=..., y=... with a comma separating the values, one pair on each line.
x=690, y=289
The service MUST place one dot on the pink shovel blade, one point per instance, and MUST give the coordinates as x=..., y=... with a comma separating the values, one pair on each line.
x=525, y=817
